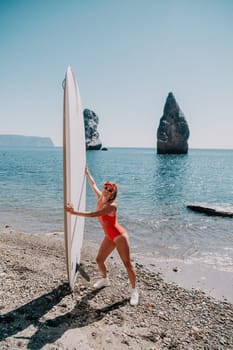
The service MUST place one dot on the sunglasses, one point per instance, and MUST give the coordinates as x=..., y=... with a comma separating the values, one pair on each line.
x=108, y=189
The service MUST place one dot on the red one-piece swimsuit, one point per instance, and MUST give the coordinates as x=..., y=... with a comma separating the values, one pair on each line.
x=111, y=226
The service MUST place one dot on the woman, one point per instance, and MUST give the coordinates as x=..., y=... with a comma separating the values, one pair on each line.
x=115, y=235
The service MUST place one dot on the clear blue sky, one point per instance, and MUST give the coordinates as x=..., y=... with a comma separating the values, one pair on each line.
x=127, y=56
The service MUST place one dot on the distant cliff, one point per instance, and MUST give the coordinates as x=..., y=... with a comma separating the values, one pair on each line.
x=25, y=141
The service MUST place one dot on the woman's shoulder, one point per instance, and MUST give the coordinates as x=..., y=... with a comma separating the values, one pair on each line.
x=113, y=204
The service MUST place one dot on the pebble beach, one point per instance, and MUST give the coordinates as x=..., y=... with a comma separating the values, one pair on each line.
x=37, y=310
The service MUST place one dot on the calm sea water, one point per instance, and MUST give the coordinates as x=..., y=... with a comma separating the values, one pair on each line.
x=153, y=193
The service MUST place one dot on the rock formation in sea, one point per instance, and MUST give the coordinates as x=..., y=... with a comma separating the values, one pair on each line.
x=91, y=121
x=173, y=130
x=25, y=141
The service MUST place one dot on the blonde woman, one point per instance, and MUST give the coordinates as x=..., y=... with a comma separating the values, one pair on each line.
x=115, y=235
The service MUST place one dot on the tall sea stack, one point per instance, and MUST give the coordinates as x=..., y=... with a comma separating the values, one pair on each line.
x=91, y=121
x=173, y=130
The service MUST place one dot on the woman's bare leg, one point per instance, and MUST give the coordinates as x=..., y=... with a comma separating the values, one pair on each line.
x=122, y=246
x=105, y=250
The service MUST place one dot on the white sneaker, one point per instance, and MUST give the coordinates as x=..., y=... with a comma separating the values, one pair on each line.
x=134, y=299
x=104, y=282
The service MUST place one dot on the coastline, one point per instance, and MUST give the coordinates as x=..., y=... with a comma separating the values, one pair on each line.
x=38, y=312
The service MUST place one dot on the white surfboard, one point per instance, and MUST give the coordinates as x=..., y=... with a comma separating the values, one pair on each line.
x=74, y=179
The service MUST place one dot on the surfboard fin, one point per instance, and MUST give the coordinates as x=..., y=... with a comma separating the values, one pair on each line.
x=82, y=272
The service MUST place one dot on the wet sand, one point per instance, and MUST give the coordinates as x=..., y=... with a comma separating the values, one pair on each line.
x=193, y=275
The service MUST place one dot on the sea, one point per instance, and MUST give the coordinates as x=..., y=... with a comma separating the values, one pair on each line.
x=153, y=193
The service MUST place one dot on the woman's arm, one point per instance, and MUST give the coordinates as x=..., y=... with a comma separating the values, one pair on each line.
x=92, y=183
x=110, y=209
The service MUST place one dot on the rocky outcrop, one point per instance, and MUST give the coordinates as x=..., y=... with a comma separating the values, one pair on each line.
x=91, y=121
x=25, y=141
x=173, y=130
x=212, y=209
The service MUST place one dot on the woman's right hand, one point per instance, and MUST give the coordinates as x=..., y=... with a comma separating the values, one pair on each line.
x=69, y=208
